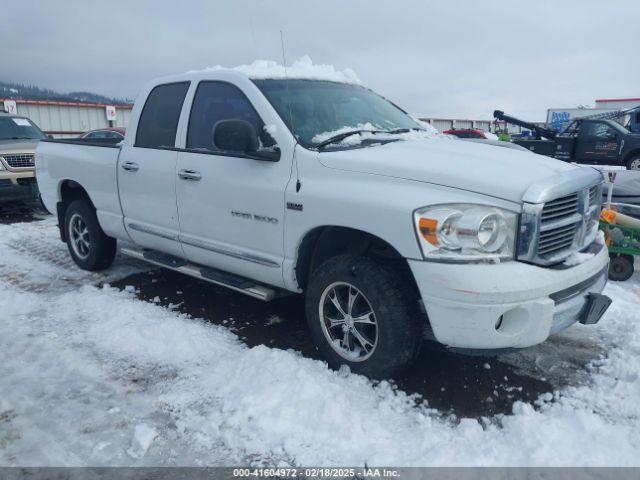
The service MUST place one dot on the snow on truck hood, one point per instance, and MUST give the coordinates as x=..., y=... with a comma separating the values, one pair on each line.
x=484, y=169
x=303, y=68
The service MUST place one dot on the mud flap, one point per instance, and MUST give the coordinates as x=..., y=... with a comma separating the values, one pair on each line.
x=597, y=304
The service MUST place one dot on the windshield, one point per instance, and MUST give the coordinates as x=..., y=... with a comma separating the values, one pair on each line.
x=322, y=109
x=18, y=128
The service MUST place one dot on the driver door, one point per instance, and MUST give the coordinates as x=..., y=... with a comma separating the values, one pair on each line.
x=230, y=206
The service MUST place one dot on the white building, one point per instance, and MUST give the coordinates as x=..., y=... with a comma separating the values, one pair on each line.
x=64, y=119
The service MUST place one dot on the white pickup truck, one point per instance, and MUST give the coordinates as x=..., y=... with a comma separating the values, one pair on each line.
x=272, y=186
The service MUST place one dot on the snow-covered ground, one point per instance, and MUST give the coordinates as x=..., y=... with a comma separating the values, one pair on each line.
x=92, y=375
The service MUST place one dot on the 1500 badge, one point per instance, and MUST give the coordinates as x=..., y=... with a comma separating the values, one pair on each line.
x=253, y=216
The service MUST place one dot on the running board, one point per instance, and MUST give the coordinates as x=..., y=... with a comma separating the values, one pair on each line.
x=211, y=275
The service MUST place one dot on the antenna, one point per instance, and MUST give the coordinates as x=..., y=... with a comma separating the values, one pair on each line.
x=286, y=80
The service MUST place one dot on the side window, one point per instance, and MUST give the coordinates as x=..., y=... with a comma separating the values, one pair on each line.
x=600, y=131
x=571, y=130
x=158, y=122
x=215, y=101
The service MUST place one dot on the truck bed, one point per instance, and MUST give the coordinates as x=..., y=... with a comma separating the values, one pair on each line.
x=93, y=165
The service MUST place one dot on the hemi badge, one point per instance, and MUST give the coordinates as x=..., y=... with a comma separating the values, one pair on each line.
x=294, y=206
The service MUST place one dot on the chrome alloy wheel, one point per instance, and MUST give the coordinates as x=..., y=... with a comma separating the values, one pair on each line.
x=348, y=321
x=79, y=236
x=635, y=164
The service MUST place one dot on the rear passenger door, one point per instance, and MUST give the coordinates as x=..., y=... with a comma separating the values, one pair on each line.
x=231, y=206
x=147, y=172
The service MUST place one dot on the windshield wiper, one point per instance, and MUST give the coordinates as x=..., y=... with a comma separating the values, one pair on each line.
x=342, y=136
x=403, y=130
x=21, y=138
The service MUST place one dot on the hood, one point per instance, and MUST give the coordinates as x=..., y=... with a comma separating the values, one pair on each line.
x=18, y=146
x=498, y=172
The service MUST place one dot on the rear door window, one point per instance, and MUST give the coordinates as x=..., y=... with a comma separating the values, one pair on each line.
x=158, y=122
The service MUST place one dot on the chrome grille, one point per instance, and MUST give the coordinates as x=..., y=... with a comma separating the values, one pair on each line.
x=593, y=196
x=559, y=221
x=557, y=239
x=558, y=209
x=553, y=227
x=20, y=160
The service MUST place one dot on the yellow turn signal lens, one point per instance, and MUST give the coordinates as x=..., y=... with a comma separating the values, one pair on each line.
x=428, y=228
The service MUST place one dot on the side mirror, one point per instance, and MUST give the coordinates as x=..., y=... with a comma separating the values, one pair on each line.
x=240, y=136
x=235, y=136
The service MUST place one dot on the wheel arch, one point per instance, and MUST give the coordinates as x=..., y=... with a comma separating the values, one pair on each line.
x=68, y=191
x=324, y=242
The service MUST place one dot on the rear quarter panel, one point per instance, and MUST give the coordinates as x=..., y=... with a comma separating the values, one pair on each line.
x=92, y=167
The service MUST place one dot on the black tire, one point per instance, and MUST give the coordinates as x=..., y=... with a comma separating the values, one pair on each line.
x=100, y=248
x=634, y=163
x=391, y=296
x=620, y=267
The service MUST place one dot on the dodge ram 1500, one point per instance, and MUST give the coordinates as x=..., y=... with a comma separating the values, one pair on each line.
x=273, y=186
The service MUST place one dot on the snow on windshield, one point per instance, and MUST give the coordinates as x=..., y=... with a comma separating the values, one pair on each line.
x=358, y=138
x=303, y=68
x=321, y=137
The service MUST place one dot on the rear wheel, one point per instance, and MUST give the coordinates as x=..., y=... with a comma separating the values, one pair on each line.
x=88, y=245
x=634, y=163
x=361, y=314
x=621, y=267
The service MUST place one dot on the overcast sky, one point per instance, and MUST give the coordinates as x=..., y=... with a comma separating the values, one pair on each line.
x=454, y=59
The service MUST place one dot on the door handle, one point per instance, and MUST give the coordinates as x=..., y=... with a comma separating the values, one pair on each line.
x=130, y=166
x=189, y=175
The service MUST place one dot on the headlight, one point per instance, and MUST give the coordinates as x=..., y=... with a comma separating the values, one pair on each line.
x=1, y=165
x=465, y=232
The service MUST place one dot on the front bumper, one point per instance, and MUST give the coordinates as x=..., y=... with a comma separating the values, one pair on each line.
x=18, y=185
x=506, y=305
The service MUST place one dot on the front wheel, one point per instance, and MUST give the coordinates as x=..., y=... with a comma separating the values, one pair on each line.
x=634, y=163
x=361, y=314
x=90, y=248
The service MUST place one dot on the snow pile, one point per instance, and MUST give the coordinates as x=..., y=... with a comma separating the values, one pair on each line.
x=94, y=376
x=303, y=68
x=490, y=136
x=576, y=258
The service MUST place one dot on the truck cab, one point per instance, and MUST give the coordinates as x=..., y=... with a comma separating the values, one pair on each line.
x=312, y=184
x=597, y=142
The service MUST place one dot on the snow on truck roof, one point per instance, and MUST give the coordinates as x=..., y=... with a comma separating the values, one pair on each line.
x=303, y=68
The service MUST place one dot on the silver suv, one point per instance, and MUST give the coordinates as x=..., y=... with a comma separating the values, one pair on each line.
x=18, y=139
